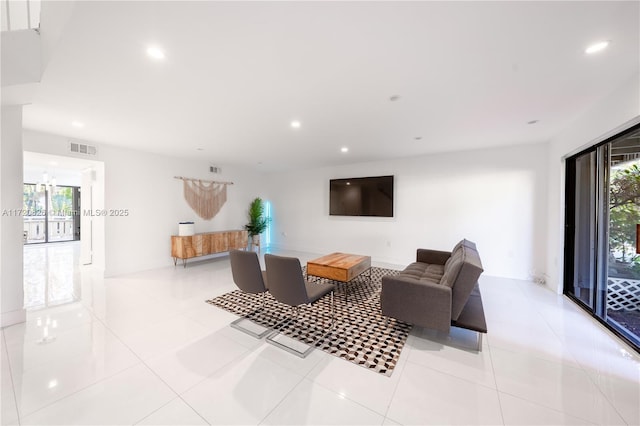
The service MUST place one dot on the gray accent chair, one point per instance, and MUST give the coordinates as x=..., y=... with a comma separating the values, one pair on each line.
x=438, y=291
x=247, y=275
x=287, y=285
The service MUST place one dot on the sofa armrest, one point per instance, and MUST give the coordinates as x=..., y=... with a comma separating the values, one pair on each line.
x=434, y=257
x=416, y=302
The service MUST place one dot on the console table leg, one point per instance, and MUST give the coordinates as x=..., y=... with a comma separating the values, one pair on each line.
x=184, y=263
x=175, y=261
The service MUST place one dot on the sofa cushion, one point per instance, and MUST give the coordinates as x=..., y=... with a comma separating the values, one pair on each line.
x=424, y=272
x=452, y=267
x=468, y=274
x=466, y=243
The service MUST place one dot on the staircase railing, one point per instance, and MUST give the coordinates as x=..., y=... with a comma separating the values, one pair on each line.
x=20, y=14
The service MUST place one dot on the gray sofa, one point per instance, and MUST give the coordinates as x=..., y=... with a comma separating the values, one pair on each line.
x=438, y=291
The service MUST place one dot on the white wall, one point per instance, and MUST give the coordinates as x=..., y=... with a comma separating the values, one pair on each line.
x=11, y=290
x=616, y=112
x=21, y=57
x=495, y=197
x=143, y=184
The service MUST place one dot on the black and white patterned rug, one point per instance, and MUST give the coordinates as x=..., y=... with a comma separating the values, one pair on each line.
x=361, y=333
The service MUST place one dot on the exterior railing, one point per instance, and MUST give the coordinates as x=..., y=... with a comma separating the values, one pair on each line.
x=60, y=229
x=20, y=14
x=623, y=294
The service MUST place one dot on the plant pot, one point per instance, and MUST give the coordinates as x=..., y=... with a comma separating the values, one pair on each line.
x=255, y=242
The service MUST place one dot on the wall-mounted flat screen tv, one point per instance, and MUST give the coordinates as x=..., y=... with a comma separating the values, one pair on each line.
x=364, y=196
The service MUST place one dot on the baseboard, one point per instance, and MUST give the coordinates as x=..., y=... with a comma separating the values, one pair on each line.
x=379, y=261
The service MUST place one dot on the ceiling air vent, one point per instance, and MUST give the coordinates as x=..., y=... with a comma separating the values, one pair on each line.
x=81, y=148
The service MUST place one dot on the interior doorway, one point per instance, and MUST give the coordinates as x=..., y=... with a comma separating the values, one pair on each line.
x=61, y=242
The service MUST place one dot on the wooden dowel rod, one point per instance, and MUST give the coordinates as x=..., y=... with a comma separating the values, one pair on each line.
x=203, y=180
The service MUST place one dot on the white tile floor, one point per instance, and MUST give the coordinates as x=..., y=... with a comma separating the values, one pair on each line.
x=145, y=349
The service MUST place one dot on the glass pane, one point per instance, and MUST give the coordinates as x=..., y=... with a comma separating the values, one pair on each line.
x=584, y=238
x=61, y=213
x=34, y=207
x=623, y=280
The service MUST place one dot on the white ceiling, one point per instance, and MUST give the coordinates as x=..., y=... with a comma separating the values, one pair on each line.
x=469, y=75
x=66, y=170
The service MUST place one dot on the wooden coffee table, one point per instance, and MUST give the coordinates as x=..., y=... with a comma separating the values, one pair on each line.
x=341, y=267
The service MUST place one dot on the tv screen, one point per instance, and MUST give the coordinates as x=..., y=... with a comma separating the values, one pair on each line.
x=365, y=196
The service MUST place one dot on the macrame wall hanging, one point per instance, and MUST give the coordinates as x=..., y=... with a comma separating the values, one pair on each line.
x=205, y=197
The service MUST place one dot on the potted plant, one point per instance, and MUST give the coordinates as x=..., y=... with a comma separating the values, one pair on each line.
x=257, y=221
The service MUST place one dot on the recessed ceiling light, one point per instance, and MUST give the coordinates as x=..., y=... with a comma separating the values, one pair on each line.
x=344, y=149
x=418, y=138
x=296, y=124
x=155, y=52
x=596, y=47
x=78, y=124
x=394, y=98
x=532, y=121
x=199, y=149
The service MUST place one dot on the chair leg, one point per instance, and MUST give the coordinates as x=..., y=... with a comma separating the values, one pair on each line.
x=258, y=335
x=333, y=322
x=271, y=338
x=333, y=312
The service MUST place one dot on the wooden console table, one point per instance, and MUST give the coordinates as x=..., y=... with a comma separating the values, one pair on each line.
x=186, y=247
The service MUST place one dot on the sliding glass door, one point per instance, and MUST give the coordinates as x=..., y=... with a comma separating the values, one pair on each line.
x=602, y=244
x=623, y=271
x=51, y=213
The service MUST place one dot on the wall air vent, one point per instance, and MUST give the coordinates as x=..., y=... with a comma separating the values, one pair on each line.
x=214, y=169
x=81, y=148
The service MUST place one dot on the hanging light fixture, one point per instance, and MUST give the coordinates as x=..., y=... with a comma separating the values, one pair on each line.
x=47, y=184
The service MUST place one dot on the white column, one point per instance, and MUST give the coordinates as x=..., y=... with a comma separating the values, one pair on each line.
x=11, y=223
x=86, y=220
